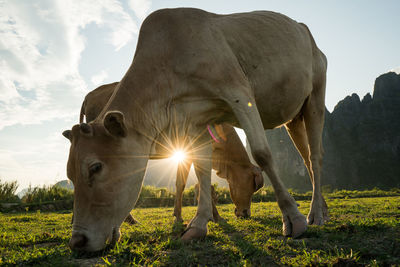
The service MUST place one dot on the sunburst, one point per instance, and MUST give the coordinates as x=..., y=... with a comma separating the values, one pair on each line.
x=178, y=156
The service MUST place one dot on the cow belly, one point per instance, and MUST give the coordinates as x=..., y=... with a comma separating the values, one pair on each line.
x=278, y=108
x=275, y=53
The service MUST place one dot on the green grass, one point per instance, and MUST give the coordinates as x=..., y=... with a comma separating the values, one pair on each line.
x=364, y=231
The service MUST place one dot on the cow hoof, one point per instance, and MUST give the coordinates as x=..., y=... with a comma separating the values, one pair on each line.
x=318, y=218
x=299, y=226
x=318, y=214
x=315, y=220
x=294, y=227
x=193, y=233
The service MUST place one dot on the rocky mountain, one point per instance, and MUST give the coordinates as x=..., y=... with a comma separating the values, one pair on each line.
x=65, y=184
x=361, y=141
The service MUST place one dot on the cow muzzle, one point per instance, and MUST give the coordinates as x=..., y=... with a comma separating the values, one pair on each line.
x=82, y=241
x=242, y=213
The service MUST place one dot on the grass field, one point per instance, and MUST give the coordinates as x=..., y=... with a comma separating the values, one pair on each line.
x=362, y=231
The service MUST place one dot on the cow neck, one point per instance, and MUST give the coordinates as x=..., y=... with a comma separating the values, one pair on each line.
x=233, y=147
x=144, y=109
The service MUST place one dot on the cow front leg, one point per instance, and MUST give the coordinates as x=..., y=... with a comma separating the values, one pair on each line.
x=245, y=109
x=181, y=179
x=214, y=199
x=197, y=228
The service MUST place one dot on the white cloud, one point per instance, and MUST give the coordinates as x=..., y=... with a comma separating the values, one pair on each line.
x=397, y=70
x=31, y=165
x=41, y=44
x=99, y=78
x=105, y=13
x=140, y=7
x=40, y=49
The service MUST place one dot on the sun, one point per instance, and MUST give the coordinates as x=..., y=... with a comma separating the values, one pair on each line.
x=178, y=156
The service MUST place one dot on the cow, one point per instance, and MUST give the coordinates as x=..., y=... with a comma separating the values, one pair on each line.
x=192, y=69
x=229, y=159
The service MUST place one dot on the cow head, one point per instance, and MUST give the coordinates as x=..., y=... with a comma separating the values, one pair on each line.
x=244, y=181
x=106, y=165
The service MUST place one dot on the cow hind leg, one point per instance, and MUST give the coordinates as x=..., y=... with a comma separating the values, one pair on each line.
x=314, y=111
x=297, y=132
x=197, y=228
x=294, y=223
x=181, y=179
x=214, y=198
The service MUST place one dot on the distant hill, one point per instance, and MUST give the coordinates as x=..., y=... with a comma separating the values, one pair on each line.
x=361, y=141
x=22, y=193
x=65, y=184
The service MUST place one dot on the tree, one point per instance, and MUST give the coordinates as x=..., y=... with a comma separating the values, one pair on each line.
x=7, y=191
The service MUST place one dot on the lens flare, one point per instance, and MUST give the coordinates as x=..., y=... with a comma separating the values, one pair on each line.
x=178, y=156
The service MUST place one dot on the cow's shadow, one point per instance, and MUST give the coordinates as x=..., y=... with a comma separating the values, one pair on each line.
x=250, y=253
x=209, y=251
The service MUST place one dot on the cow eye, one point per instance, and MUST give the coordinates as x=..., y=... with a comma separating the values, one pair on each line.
x=95, y=168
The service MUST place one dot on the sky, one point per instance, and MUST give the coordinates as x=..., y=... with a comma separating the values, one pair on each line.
x=53, y=52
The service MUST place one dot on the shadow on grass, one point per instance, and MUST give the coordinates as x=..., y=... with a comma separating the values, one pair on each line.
x=55, y=259
x=41, y=253
x=249, y=252
x=95, y=254
x=64, y=257
x=178, y=228
x=275, y=223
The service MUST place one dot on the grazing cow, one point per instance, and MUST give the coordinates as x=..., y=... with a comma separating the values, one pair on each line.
x=229, y=159
x=192, y=68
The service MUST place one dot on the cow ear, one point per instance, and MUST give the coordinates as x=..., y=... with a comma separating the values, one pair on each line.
x=67, y=134
x=114, y=122
x=258, y=178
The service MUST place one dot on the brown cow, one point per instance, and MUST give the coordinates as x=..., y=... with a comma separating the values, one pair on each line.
x=229, y=159
x=191, y=68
